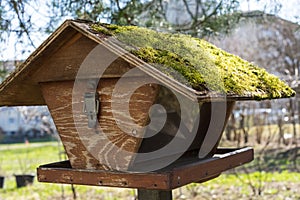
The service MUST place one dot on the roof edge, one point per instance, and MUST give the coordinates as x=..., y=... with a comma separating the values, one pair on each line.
x=34, y=55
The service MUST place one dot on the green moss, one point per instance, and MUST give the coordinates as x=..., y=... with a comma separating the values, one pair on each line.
x=198, y=63
x=112, y=29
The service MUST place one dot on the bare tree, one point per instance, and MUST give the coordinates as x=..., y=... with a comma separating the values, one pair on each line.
x=37, y=119
x=269, y=41
x=272, y=43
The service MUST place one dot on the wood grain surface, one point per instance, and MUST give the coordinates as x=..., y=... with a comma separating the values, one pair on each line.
x=107, y=146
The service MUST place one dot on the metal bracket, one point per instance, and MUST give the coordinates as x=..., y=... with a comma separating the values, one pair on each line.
x=91, y=108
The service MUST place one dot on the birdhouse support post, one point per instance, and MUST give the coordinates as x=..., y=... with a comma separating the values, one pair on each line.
x=154, y=194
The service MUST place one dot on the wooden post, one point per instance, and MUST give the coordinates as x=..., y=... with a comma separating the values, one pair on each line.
x=154, y=194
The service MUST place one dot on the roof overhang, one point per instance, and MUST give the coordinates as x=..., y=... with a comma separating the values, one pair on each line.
x=20, y=88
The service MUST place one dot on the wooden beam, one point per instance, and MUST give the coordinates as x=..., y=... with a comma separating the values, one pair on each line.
x=176, y=175
x=154, y=194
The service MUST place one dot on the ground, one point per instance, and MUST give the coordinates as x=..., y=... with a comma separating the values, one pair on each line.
x=274, y=176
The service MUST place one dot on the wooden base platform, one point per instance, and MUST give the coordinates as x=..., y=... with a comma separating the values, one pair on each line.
x=176, y=175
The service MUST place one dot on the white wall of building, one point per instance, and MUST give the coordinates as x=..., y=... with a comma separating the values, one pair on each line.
x=10, y=120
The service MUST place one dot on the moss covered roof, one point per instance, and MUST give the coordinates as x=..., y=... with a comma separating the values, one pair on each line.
x=197, y=63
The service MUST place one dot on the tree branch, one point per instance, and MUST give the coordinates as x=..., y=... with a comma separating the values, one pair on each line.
x=215, y=11
x=188, y=9
x=23, y=27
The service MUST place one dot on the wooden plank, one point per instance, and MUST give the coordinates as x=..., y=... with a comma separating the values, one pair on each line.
x=154, y=194
x=18, y=88
x=109, y=147
x=174, y=176
x=168, y=132
x=202, y=170
x=63, y=64
x=63, y=173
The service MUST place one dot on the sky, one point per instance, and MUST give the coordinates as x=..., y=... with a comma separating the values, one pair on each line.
x=290, y=10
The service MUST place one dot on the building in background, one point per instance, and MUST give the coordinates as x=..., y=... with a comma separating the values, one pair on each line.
x=10, y=121
x=18, y=123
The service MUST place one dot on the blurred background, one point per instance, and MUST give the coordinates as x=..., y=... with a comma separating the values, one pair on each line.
x=265, y=32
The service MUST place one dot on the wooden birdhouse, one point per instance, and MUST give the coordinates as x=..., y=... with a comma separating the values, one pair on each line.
x=132, y=99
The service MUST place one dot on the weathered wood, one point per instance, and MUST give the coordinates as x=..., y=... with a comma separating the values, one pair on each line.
x=112, y=147
x=154, y=194
x=223, y=162
x=108, y=147
x=184, y=171
x=64, y=63
x=168, y=133
x=19, y=88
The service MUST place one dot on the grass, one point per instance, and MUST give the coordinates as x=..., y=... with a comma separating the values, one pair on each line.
x=278, y=186
x=29, y=156
x=231, y=185
x=32, y=155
